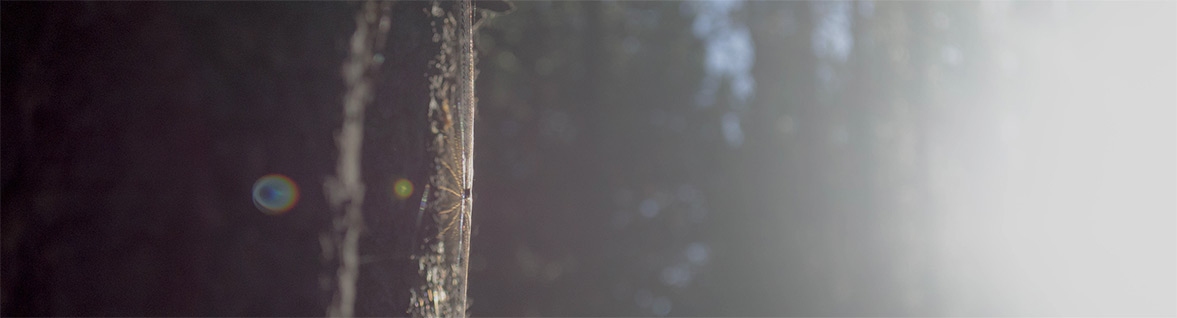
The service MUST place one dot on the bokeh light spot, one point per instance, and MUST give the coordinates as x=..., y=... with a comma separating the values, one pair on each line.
x=402, y=188
x=275, y=194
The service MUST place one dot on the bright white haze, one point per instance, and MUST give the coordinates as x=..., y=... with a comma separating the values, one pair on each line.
x=1053, y=177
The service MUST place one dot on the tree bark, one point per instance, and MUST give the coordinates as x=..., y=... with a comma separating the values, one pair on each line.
x=132, y=133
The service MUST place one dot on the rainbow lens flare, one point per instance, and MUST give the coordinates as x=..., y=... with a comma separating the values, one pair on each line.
x=274, y=194
x=402, y=188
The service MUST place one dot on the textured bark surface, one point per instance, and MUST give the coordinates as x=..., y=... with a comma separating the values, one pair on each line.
x=444, y=259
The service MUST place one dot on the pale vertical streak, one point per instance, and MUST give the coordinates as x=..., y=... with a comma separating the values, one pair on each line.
x=466, y=110
x=345, y=190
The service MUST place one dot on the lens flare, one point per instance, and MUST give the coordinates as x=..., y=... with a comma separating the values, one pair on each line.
x=274, y=194
x=402, y=188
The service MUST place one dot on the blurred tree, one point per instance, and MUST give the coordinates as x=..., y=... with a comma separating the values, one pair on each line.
x=134, y=131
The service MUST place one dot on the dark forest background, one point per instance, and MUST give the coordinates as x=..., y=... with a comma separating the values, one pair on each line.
x=661, y=158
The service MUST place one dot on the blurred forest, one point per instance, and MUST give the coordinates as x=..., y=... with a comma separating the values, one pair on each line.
x=633, y=158
x=631, y=154
x=788, y=158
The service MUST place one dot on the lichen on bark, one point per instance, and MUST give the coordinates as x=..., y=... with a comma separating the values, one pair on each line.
x=442, y=261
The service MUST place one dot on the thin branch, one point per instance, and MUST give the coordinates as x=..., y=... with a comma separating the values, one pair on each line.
x=345, y=190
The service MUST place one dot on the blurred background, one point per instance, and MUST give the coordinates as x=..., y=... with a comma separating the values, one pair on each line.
x=633, y=158
x=827, y=158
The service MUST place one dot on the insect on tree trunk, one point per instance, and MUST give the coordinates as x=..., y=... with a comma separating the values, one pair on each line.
x=134, y=131
x=444, y=260
x=441, y=256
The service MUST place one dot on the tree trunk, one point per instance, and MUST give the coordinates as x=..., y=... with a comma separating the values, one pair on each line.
x=133, y=132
